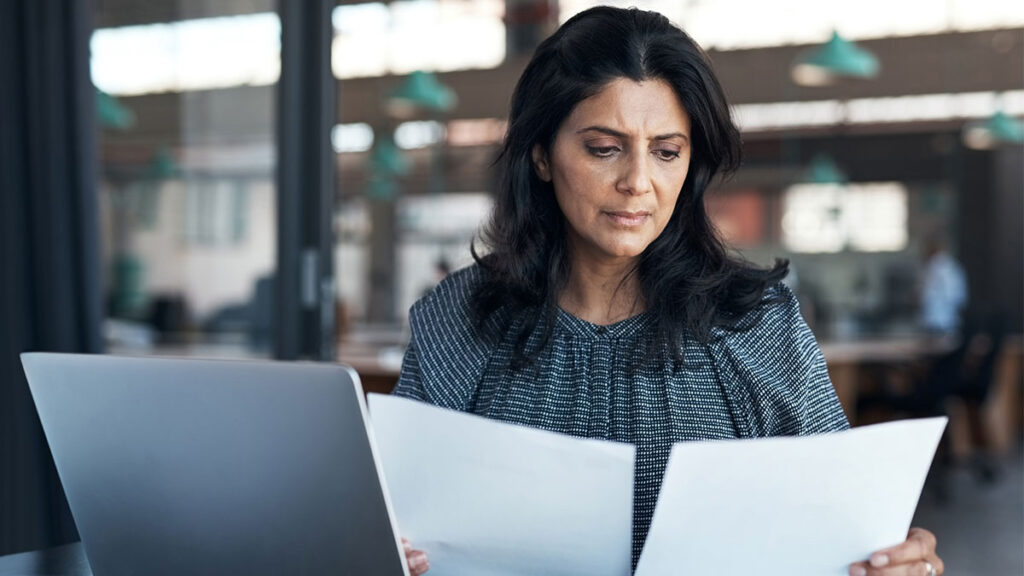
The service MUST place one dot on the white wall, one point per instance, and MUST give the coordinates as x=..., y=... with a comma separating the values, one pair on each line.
x=209, y=275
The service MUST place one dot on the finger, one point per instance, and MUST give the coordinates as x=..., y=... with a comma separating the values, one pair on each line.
x=918, y=568
x=416, y=570
x=418, y=563
x=859, y=569
x=406, y=546
x=919, y=546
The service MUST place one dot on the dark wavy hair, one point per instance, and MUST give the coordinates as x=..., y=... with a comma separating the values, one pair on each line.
x=687, y=278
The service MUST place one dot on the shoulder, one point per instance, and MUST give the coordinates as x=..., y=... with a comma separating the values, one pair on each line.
x=450, y=300
x=772, y=344
x=775, y=320
x=446, y=342
x=774, y=367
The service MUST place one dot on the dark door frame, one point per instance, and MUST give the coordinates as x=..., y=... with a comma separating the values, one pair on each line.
x=304, y=300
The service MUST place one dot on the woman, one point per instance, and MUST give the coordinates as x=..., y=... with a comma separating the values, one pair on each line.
x=605, y=306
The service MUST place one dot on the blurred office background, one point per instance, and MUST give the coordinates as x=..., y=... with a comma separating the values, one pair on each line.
x=251, y=178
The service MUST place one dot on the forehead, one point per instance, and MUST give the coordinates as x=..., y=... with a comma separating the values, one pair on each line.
x=635, y=108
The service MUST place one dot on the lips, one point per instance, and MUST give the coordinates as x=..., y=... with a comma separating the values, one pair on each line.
x=628, y=219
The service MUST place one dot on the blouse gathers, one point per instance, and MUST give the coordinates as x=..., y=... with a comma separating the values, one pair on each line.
x=590, y=381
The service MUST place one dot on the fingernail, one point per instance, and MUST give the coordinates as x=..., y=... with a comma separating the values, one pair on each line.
x=879, y=560
x=858, y=571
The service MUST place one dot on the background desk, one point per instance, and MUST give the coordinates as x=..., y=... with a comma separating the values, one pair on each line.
x=846, y=360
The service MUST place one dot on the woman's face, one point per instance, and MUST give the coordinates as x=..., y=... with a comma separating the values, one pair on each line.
x=617, y=165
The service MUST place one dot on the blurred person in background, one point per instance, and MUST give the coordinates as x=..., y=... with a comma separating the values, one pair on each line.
x=943, y=289
x=441, y=271
x=605, y=305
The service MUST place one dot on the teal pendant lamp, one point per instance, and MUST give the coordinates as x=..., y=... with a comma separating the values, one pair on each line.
x=997, y=130
x=111, y=113
x=836, y=58
x=824, y=170
x=421, y=91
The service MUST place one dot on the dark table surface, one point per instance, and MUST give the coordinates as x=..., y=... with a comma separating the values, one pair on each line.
x=67, y=560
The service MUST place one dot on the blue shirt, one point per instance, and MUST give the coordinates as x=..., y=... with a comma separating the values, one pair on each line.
x=943, y=294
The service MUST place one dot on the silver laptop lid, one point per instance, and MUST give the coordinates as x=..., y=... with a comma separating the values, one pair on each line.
x=216, y=467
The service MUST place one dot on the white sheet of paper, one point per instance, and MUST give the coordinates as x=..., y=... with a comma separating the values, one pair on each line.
x=485, y=498
x=783, y=506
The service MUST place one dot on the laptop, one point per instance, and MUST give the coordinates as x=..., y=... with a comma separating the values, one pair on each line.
x=216, y=467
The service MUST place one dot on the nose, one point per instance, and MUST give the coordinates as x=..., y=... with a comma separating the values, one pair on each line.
x=635, y=178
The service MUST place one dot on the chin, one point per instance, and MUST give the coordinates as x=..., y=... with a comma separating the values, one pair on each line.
x=617, y=246
x=631, y=251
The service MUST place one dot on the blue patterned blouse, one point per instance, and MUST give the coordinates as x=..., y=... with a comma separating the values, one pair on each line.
x=768, y=381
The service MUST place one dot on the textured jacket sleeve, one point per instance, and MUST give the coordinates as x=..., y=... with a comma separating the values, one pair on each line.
x=775, y=374
x=410, y=382
x=445, y=358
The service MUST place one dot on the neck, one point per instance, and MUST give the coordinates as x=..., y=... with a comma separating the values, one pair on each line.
x=601, y=291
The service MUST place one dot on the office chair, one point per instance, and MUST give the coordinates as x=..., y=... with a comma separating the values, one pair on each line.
x=965, y=373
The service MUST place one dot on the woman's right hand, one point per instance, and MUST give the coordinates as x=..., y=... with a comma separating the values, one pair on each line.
x=416, y=559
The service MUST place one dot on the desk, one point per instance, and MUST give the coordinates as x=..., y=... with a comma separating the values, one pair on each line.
x=845, y=360
x=67, y=560
x=378, y=368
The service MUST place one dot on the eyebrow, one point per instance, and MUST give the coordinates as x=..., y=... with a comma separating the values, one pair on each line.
x=617, y=134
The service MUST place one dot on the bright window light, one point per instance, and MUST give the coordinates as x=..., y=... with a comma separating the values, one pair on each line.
x=444, y=215
x=476, y=132
x=788, y=114
x=356, y=137
x=827, y=218
x=375, y=39
x=918, y=108
x=715, y=25
x=811, y=218
x=369, y=18
x=187, y=55
x=875, y=216
x=410, y=135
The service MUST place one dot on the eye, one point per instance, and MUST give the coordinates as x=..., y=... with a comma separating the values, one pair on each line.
x=602, y=151
x=666, y=155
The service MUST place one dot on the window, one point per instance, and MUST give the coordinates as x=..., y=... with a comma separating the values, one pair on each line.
x=826, y=218
x=434, y=35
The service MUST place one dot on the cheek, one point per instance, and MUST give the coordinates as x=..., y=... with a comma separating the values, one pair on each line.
x=666, y=216
x=575, y=191
x=575, y=213
x=669, y=208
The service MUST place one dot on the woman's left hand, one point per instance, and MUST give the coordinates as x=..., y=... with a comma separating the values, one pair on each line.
x=915, y=557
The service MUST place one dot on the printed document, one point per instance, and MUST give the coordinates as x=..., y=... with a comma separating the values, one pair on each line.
x=783, y=506
x=485, y=498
